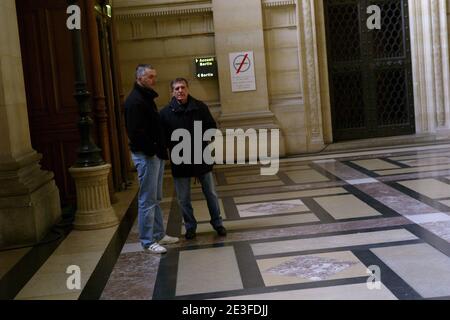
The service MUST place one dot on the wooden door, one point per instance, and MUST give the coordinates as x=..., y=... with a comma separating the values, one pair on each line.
x=48, y=69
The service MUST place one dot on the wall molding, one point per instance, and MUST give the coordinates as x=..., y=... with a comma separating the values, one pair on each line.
x=159, y=11
x=278, y=3
x=286, y=100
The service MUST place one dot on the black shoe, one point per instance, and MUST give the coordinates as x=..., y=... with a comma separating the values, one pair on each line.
x=221, y=231
x=190, y=234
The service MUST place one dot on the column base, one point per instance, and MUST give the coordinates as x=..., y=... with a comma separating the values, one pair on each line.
x=253, y=120
x=29, y=202
x=94, y=210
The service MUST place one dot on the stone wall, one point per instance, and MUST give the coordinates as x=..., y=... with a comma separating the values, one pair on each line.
x=292, y=71
x=169, y=38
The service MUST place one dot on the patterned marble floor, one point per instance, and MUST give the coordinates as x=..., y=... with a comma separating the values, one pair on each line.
x=313, y=231
x=367, y=225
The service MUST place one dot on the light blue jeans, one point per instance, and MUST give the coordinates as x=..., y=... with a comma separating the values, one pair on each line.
x=150, y=218
x=183, y=189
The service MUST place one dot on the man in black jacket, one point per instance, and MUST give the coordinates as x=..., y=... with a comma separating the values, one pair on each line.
x=184, y=112
x=148, y=151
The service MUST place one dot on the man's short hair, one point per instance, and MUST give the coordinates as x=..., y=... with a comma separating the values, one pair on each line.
x=172, y=83
x=140, y=69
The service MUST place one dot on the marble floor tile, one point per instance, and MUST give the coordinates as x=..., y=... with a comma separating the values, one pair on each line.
x=211, y=237
x=413, y=170
x=306, y=176
x=237, y=173
x=250, y=178
x=325, y=161
x=424, y=268
x=207, y=270
x=51, y=278
x=426, y=161
x=346, y=207
x=411, y=176
x=346, y=240
x=375, y=164
x=201, y=210
x=133, y=277
x=395, y=200
x=86, y=241
x=289, y=195
x=307, y=268
x=57, y=297
x=344, y=292
x=361, y=181
x=445, y=202
x=252, y=185
x=255, y=223
x=431, y=188
x=342, y=171
x=420, y=156
x=131, y=247
x=429, y=217
x=271, y=208
x=441, y=229
x=290, y=167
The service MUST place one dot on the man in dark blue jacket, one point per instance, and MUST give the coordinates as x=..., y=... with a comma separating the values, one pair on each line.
x=184, y=112
x=148, y=151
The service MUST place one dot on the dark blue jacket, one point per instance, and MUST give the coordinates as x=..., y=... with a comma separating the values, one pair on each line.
x=143, y=123
x=175, y=116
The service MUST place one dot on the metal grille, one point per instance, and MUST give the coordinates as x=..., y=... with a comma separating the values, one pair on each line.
x=344, y=37
x=370, y=70
x=351, y=111
x=389, y=41
x=391, y=97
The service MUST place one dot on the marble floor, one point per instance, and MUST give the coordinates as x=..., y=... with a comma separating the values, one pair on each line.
x=365, y=225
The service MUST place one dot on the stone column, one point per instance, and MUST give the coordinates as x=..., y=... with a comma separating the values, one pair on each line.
x=310, y=73
x=238, y=26
x=29, y=198
x=430, y=64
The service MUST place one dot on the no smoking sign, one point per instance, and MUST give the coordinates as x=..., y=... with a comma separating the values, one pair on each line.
x=242, y=71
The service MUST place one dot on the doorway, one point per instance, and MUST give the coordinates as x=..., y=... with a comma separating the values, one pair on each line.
x=370, y=73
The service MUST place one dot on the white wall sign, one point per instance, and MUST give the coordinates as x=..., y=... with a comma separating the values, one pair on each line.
x=242, y=71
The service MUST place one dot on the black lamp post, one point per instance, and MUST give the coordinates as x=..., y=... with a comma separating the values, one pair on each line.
x=88, y=153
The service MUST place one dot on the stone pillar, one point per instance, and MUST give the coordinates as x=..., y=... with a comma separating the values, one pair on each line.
x=94, y=210
x=29, y=198
x=238, y=26
x=430, y=64
x=310, y=73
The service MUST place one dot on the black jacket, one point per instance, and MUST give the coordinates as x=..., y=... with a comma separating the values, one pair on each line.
x=175, y=116
x=143, y=123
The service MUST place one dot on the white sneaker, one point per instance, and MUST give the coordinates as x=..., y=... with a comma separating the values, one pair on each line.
x=168, y=240
x=155, y=248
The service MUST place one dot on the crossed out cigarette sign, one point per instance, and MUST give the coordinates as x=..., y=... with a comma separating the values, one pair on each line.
x=242, y=71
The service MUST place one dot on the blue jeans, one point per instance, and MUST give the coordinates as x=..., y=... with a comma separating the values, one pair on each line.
x=183, y=189
x=150, y=219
